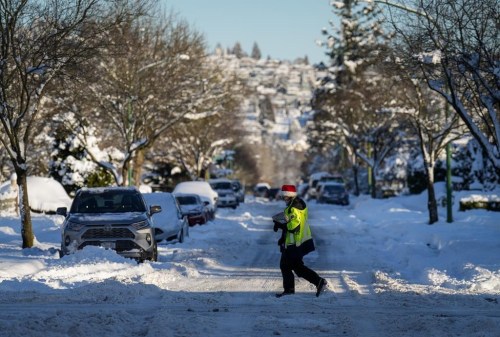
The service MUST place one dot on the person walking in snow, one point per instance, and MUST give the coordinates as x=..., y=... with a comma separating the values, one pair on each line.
x=295, y=243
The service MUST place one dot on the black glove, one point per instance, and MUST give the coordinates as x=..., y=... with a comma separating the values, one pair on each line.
x=281, y=241
x=277, y=226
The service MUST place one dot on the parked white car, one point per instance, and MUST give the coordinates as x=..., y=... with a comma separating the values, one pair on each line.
x=314, y=179
x=239, y=190
x=170, y=224
x=201, y=188
x=224, y=188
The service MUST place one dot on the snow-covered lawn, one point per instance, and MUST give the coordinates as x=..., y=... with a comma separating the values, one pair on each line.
x=389, y=274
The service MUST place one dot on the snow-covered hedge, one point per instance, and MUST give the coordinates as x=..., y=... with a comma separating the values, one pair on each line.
x=8, y=202
x=489, y=202
x=8, y=196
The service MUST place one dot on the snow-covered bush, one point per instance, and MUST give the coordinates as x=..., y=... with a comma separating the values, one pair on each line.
x=70, y=163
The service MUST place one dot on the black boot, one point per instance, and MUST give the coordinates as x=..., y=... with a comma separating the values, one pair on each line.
x=321, y=285
x=286, y=292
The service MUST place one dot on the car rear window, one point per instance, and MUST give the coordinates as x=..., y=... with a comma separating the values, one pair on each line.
x=334, y=188
x=221, y=186
x=187, y=200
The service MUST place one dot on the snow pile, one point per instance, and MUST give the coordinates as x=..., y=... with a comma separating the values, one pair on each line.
x=382, y=261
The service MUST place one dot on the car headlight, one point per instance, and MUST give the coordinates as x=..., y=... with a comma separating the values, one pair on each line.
x=73, y=226
x=140, y=224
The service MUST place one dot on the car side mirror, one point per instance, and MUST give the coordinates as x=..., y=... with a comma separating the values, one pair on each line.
x=206, y=203
x=154, y=209
x=62, y=211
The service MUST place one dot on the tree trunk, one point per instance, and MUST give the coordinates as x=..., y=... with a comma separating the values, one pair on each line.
x=24, y=209
x=138, y=162
x=125, y=173
x=355, y=171
x=431, y=203
x=431, y=195
x=374, y=184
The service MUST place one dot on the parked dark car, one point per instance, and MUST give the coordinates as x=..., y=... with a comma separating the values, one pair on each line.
x=261, y=190
x=274, y=193
x=111, y=217
x=333, y=193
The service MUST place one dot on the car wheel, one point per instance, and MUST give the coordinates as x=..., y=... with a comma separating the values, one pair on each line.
x=154, y=254
x=181, y=236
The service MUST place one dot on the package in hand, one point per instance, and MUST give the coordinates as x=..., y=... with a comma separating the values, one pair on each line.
x=280, y=218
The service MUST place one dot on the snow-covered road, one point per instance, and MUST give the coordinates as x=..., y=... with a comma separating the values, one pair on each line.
x=389, y=274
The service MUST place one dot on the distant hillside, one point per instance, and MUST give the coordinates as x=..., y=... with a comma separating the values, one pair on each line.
x=275, y=113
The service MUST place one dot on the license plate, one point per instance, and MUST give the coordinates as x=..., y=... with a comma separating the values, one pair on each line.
x=108, y=245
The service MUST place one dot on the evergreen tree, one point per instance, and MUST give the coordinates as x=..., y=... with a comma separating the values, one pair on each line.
x=351, y=100
x=256, y=54
x=238, y=50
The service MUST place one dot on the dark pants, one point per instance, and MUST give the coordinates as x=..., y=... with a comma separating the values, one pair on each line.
x=290, y=264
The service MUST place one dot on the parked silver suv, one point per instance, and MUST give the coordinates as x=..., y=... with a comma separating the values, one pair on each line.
x=111, y=217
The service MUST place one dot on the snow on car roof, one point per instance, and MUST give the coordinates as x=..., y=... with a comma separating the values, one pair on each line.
x=195, y=187
x=44, y=194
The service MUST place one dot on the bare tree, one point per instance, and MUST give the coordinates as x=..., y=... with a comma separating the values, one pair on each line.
x=41, y=41
x=147, y=84
x=427, y=114
x=200, y=136
x=457, y=47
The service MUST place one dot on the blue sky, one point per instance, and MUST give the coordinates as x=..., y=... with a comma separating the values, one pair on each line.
x=283, y=29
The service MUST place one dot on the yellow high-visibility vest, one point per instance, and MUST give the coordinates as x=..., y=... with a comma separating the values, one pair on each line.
x=297, y=217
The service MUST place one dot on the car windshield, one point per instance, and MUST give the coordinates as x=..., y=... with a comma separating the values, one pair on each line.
x=334, y=188
x=187, y=200
x=221, y=186
x=108, y=202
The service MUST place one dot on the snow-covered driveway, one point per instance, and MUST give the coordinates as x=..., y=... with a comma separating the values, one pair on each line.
x=389, y=274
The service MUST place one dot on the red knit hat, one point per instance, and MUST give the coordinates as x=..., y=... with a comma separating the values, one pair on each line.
x=288, y=191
